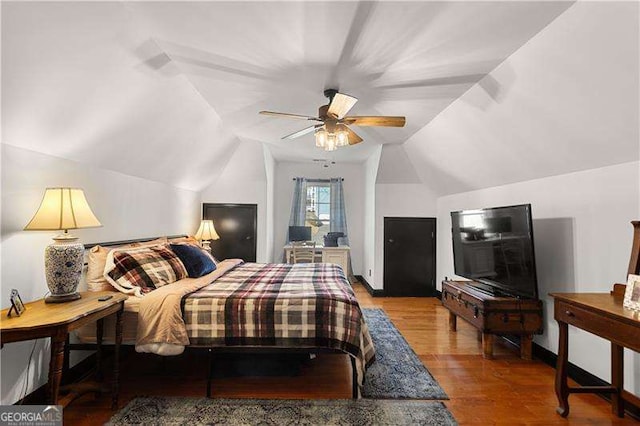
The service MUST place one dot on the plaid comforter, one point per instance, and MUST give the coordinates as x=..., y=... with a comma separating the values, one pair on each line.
x=279, y=305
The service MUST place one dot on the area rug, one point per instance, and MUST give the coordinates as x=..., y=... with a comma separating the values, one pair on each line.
x=397, y=372
x=204, y=411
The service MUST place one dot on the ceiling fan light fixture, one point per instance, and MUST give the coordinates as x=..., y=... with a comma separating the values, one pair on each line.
x=342, y=136
x=321, y=137
x=332, y=142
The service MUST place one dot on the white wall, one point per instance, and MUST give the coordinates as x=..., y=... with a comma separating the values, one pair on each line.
x=582, y=238
x=244, y=181
x=354, y=198
x=270, y=170
x=369, y=254
x=398, y=193
x=128, y=207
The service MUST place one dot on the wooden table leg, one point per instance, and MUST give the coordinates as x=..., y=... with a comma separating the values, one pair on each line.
x=452, y=321
x=562, y=366
x=487, y=345
x=116, y=359
x=99, y=334
x=617, y=379
x=210, y=376
x=354, y=378
x=55, y=366
x=526, y=347
x=65, y=363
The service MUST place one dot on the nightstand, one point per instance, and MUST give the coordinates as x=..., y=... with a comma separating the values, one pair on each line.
x=56, y=320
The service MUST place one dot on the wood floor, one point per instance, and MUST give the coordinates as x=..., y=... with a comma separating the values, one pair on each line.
x=504, y=391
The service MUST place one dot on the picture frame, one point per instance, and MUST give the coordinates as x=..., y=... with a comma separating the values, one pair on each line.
x=632, y=293
x=17, y=306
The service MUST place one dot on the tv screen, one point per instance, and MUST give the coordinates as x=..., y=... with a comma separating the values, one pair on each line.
x=495, y=248
x=299, y=233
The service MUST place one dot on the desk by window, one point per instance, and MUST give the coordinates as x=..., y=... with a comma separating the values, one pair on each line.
x=337, y=255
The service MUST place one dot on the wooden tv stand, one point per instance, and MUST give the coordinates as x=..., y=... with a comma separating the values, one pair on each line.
x=493, y=315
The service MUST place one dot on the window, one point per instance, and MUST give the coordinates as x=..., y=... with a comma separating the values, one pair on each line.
x=318, y=209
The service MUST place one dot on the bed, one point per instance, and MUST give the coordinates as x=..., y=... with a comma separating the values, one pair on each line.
x=250, y=307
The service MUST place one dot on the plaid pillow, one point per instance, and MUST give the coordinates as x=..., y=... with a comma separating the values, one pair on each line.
x=138, y=271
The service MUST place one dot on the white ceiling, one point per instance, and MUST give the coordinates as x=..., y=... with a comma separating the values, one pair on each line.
x=141, y=87
x=567, y=101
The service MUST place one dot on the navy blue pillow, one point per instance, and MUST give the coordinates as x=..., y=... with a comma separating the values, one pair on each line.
x=195, y=260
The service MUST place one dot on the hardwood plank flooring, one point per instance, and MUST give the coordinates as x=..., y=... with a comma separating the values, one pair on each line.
x=503, y=391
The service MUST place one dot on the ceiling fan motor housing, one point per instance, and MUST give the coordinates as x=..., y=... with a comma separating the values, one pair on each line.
x=330, y=93
x=323, y=112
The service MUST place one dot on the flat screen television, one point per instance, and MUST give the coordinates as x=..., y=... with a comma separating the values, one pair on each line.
x=494, y=248
x=299, y=233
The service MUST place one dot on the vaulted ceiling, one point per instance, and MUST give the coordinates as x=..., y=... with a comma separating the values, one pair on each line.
x=167, y=90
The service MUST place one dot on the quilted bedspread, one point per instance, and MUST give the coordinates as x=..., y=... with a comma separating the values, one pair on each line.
x=279, y=305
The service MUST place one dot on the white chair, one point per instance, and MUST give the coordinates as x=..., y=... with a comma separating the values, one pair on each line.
x=304, y=251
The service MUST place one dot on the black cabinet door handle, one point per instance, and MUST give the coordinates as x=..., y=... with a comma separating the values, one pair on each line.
x=570, y=314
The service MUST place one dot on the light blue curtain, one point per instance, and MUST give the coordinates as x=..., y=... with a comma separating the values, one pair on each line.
x=299, y=204
x=339, y=216
x=338, y=211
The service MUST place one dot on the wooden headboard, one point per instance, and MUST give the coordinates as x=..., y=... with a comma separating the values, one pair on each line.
x=124, y=242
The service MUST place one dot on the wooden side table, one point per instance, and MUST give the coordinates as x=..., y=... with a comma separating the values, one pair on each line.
x=604, y=315
x=56, y=320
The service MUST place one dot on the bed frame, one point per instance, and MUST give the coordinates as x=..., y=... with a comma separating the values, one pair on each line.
x=220, y=349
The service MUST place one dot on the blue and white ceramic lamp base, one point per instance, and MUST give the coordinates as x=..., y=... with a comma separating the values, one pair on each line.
x=63, y=262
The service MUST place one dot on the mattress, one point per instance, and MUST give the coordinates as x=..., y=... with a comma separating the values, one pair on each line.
x=87, y=333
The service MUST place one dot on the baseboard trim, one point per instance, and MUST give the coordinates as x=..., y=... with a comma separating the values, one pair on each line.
x=581, y=376
x=374, y=292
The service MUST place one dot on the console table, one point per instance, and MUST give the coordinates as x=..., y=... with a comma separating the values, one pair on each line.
x=56, y=320
x=493, y=315
x=603, y=315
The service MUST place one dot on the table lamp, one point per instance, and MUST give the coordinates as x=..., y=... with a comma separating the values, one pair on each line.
x=206, y=232
x=62, y=209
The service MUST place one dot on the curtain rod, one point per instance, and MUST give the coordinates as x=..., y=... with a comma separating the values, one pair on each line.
x=320, y=180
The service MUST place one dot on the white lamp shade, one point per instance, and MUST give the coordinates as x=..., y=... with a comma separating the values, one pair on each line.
x=206, y=231
x=63, y=208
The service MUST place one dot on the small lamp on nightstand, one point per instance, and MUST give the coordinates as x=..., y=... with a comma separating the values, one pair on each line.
x=62, y=209
x=206, y=232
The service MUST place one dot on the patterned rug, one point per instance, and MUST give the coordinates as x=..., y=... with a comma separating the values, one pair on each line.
x=202, y=411
x=397, y=372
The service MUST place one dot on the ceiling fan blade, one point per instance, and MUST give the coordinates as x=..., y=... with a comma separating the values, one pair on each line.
x=382, y=121
x=353, y=137
x=287, y=115
x=300, y=132
x=341, y=104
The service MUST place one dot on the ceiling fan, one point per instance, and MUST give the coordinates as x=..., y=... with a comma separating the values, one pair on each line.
x=333, y=129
